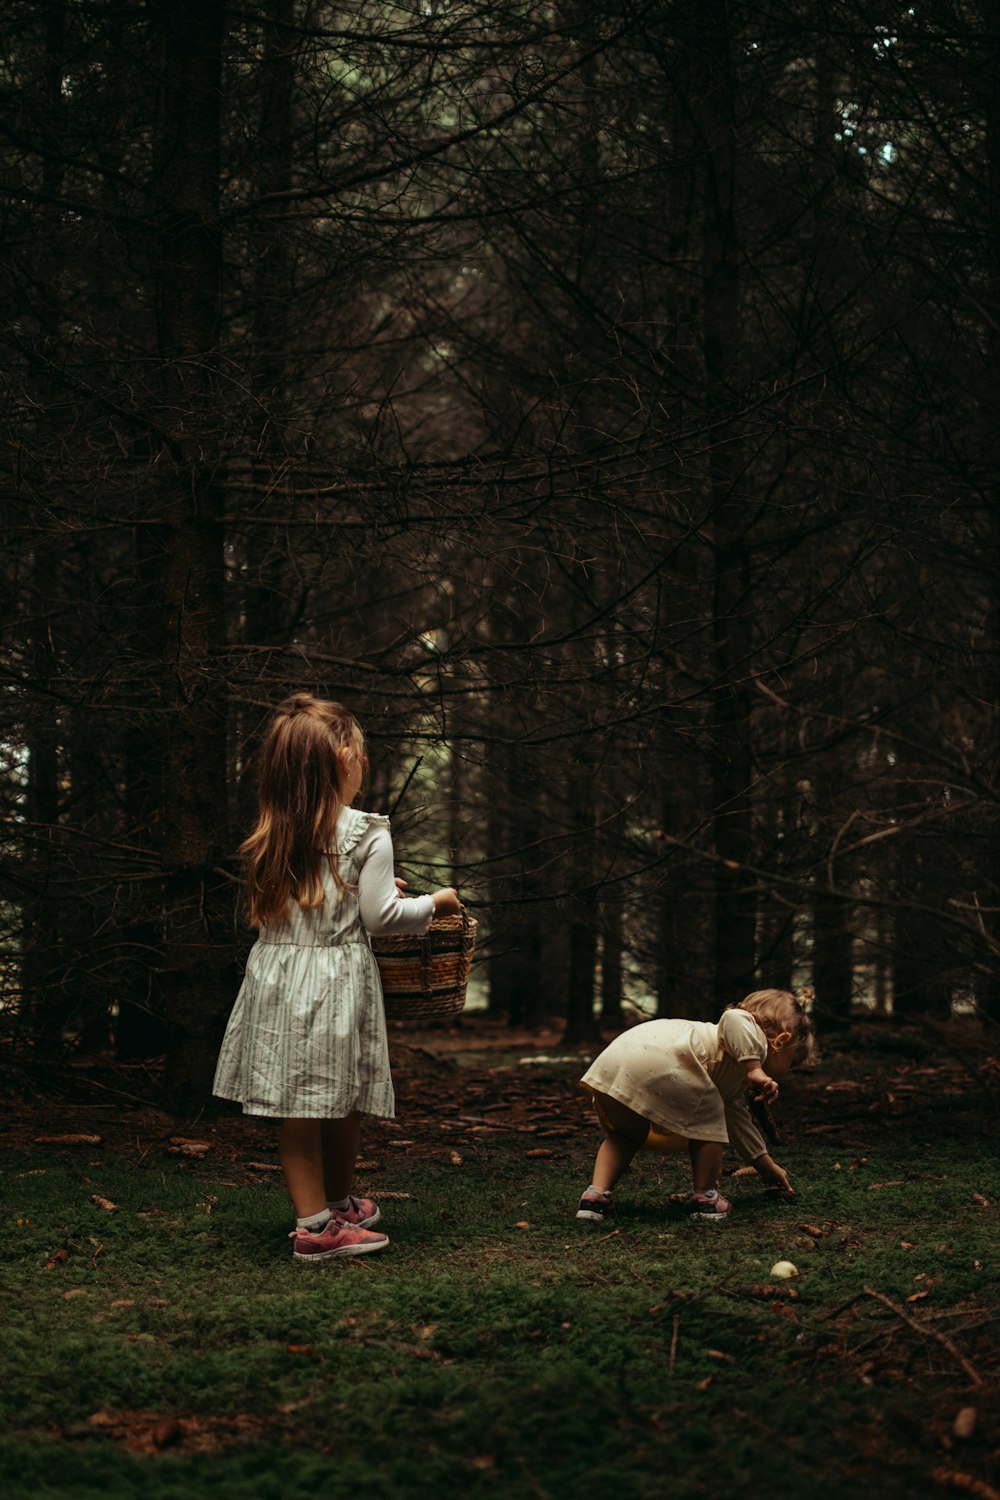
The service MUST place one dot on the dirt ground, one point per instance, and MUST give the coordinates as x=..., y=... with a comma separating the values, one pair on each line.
x=477, y=1080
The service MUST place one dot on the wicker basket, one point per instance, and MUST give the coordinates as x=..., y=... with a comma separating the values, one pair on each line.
x=424, y=978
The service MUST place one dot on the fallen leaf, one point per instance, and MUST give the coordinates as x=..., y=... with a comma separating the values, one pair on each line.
x=540, y=1151
x=264, y=1166
x=197, y=1149
x=455, y=1159
x=165, y=1433
x=124, y=1302
x=522, y=1224
x=815, y=1231
x=873, y=1187
x=917, y=1296
x=906, y=1245
x=978, y=1198
x=367, y=1166
x=67, y=1140
x=717, y=1354
x=703, y=1385
x=57, y=1258
x=75, y=1291
x=964, y=1424
x=104, y=1203
x=394, y=1197
x=307, y=1350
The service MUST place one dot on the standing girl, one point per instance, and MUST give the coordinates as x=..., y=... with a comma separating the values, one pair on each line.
x=306, y=1041
x=667, y=1085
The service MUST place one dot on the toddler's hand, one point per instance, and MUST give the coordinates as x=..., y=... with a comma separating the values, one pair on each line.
x=777, y=1177
x=400, y=884
x=762, y=1085
x=446, y=902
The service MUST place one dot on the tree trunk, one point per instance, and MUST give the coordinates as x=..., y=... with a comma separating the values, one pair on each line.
x=732, y=817
x=198, y=970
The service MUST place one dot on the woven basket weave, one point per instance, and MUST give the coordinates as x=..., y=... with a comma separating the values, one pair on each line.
x=427, y=977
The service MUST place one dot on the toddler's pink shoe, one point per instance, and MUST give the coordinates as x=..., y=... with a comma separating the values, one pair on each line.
x=595, y=1206
x=335, y=1240
x=711, y=1207
x=362, y=1213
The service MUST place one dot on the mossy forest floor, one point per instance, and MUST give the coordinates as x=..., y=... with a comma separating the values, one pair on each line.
x=160, y=1341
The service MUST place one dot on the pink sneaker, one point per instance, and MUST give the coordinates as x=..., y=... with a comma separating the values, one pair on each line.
x=336, y=1239
x=713, y=1210
x=362, y=1213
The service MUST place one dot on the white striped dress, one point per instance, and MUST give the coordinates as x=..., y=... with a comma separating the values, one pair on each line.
x=307, y=1037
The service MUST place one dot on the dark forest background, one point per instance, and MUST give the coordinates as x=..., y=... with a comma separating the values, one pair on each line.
x=600, y=398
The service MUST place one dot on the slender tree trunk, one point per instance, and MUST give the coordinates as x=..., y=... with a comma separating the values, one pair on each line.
x=44, y=1002
x=731, y=603
x=612, y=954
x=990, y=983
x=198, y=972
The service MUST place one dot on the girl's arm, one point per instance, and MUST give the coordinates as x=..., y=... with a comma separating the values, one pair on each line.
x=383, y=907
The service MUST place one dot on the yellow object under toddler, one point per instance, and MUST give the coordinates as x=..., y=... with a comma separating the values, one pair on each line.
x=664, y=1141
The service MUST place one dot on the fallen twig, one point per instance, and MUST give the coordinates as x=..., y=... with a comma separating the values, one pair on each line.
x=921, y=1328
x=673, y=1343
x=954, y=1479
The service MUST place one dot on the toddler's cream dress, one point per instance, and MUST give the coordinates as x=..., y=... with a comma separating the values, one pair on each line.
x=686, y=1078
x=307, y=1036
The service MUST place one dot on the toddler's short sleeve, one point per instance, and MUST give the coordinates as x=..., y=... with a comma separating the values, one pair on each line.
x=741, y=1037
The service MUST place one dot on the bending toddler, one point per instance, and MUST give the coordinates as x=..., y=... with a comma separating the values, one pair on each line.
x=670, y=1084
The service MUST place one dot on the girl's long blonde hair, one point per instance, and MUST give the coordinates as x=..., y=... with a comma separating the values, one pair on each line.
x=298, y=794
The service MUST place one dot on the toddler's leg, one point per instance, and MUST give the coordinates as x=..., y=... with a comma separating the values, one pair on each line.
x=706, y=1202
x=706, y=1164
x=626, y=1131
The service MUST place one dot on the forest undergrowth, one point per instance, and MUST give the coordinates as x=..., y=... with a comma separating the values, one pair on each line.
x=161, y=1340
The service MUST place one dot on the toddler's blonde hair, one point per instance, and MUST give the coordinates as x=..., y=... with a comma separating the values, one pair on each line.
x=776, y=1011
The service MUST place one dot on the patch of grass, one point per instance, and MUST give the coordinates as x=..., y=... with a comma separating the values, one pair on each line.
x=561, y=1358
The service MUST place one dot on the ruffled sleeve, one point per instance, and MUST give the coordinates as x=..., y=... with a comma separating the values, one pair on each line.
x=352, y=826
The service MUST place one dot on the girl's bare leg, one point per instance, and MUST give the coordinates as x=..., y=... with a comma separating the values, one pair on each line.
x=706, y=1164
x=341, y=1139
x=627, y=1133
x=300, y=1148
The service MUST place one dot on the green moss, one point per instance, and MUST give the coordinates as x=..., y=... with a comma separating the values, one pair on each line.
x=554, y=1359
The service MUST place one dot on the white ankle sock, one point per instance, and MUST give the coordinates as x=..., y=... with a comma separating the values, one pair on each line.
x=340, y=1206
x=314, y=1223
x=601, y=1192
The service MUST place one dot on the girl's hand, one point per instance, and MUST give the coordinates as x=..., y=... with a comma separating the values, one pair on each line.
x=400, y=884
x=446, y=902
x=762, y=1085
